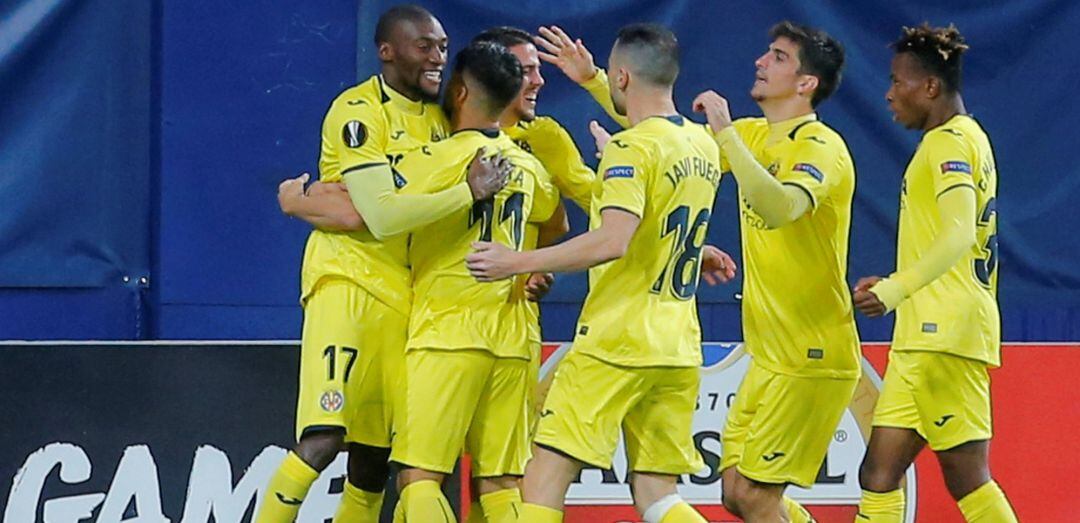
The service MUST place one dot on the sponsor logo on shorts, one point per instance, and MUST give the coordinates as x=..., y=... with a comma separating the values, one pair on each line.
x=944, y=419
x=815, y=354
x=332, y=401
x=929, y=328
x=287, y=500
x=956, y=167
x=773, y=456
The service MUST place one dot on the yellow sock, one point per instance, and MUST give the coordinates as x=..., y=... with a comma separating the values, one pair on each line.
x=682, y=512
x=501, y=506
x=987, y=504
x=358, y=505
x=796, y=512
x=539, y=514
x=476, y=513
x=881, y=507
x=286, y=491
x=424, y=502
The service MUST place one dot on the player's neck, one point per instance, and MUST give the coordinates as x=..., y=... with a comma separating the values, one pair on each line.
x=471, y=119
x=943, y=111
x=647, y=102
x=509, y=118
x=395, y=82
x=781, y=109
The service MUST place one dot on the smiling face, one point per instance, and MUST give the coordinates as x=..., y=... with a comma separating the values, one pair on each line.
x=910, y=92
x=777, y=74
x=525, y=105
x=416, y=51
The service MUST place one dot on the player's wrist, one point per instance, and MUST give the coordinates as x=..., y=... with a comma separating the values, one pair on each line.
x=890, y=292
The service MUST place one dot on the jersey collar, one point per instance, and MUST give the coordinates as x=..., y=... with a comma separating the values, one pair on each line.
x=490, y=133
x=782, y=130
x=399, y=100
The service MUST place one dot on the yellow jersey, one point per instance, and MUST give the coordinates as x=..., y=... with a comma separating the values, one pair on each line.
x=641, y=309
x=797, y=308
x=366, y=125
x=550, y=143
x=451, y=309
x=957, y=313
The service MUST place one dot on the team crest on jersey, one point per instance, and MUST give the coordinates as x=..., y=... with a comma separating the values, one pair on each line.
x=619, y=171
x=354, y=134
x=956, y=167
x=807, y=168
x=332, y=401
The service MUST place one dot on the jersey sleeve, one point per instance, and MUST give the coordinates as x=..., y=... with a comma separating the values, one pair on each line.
x=742, y=128
x=950, y=159
x=355, y=132
x=599, y=88
x=553, y=146
x=545, y=195
x=625, y=171
x=814, y=165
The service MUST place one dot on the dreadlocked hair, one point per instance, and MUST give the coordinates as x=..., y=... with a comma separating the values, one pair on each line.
x=939, y=50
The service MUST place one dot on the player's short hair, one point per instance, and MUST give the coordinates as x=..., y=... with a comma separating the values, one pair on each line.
x=820, y=55
x=653, y=50
x=396, y=15
x=505, y=35
x=939, y=50
x=495, y=68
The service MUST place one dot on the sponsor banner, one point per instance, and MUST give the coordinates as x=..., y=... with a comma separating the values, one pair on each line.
x=189, y=432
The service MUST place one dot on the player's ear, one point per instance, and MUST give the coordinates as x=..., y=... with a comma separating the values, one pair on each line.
x=933, y=86
x=807, y=84
x=622, y=78
x=386, y=52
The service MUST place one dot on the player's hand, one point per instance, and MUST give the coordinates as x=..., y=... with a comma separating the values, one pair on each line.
x=538, y=285
x=716, y=266
x=487, y=174
x=571, y=57
x=320, y=188
x=601, y=135
x=289, y=193
x=866, y=301
x=715, y=108
x=491, y=261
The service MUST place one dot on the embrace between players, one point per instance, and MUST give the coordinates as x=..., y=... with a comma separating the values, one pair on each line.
x=436, y=231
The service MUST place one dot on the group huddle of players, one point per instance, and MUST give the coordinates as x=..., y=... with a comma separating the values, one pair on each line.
x=436, y=230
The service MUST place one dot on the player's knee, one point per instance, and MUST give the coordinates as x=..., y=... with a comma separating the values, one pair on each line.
x=319, y=448
x=962, y=479
x=369, y=467
x=878, y=477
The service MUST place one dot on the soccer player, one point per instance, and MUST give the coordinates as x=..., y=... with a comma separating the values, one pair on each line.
x=796, y=180
x=355, y=286
x=944, y=292
x=469, y=346
x=634, y=364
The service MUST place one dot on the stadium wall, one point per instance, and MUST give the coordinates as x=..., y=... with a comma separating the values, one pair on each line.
x=142, y=144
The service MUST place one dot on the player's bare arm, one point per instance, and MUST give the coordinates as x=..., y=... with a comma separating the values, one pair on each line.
x=326, y=206
x=492, y=261
x=776, y=203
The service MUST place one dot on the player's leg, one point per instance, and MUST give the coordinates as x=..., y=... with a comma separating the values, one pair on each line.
x=579, y=424
x=374, y=387
x=660, y=445
x=322, y=399
x=953, y=397
x=498, y=439
x=443, y=388
x=895, y=441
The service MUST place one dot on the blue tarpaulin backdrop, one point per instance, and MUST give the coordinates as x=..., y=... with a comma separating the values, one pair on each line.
x=141, y=144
